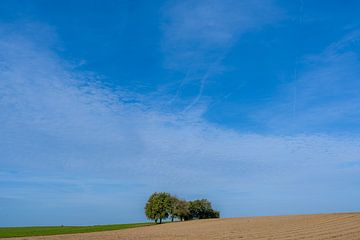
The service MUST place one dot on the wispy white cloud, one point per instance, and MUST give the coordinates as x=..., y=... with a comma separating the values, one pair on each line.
x=199, y=34
x=193, y=29
x=324, y=95
x=61, y=129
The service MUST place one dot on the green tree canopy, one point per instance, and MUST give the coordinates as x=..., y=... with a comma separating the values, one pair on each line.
x=163, y=205
x=181, y=209
x=202, y=209
x=158, y=206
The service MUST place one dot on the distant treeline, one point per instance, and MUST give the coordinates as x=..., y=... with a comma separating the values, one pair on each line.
x=163, y=205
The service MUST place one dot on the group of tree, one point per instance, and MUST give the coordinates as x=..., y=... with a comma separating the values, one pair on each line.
x=163, y=205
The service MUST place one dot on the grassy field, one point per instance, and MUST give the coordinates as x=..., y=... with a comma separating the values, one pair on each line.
x=53, y=230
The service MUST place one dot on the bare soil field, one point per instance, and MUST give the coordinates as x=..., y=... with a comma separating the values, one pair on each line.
x=344, y=226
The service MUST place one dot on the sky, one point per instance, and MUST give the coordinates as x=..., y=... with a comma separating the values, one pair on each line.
x=252, y=104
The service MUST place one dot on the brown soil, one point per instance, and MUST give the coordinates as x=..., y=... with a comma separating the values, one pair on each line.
x=321, y=226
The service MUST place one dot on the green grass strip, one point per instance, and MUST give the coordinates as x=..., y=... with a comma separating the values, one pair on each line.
x=7, y=232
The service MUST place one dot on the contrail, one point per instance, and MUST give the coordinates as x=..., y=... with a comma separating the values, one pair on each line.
x=185, y=79
x=203, y=80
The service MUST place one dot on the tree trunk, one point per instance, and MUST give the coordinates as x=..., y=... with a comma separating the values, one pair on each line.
x=156, y=220
x=160, y=220
x=172, y=219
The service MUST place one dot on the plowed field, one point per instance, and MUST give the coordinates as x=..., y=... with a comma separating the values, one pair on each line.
x=344, y=226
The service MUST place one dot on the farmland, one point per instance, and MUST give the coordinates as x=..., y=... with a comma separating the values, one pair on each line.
x=56, y=230
x=344, y=226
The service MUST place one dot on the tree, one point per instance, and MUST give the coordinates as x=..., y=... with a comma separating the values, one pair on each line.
x=181, y=209
x=172, y=209
x=214, y=214
x=162, y=205
x=202, y=209
x=158, y=206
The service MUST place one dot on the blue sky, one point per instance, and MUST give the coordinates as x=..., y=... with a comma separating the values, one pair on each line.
x=252, y=104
